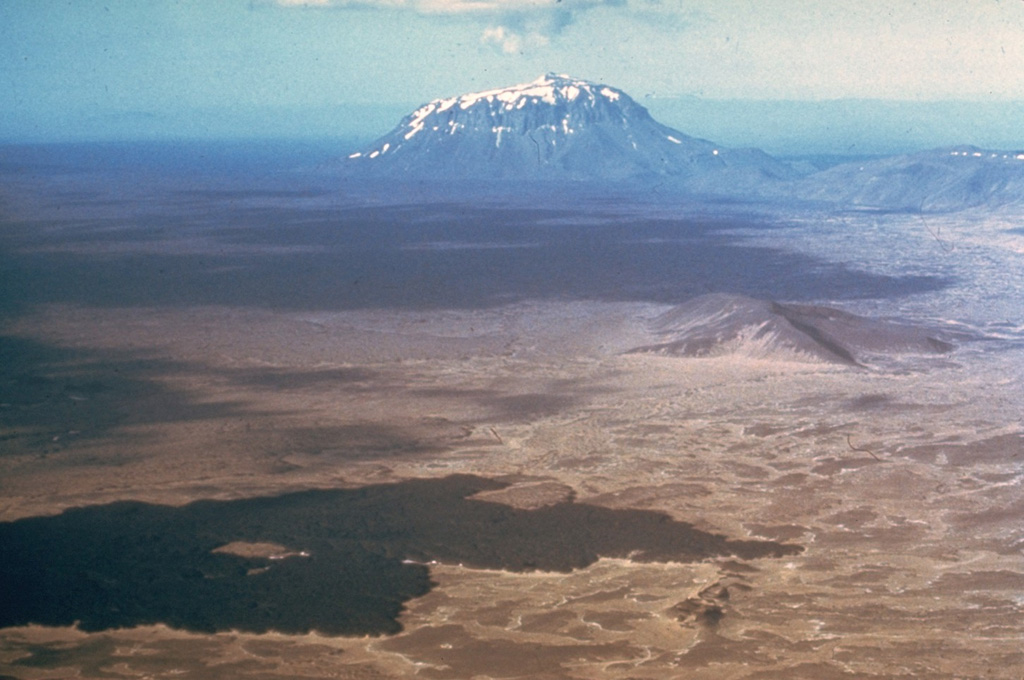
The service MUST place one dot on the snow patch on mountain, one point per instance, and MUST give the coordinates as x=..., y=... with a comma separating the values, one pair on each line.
x=947, y=179
x=557, y=127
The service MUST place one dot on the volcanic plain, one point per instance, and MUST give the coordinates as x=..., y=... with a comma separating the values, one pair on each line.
x=270, y=432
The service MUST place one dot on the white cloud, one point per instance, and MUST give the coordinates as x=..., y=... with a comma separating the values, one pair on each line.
x=449, y=6
x=508, y=42
x=764, y=49
x=511, y=26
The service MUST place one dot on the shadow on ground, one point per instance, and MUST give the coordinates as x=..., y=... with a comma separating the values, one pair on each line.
x=53, y=397
x=288, y=255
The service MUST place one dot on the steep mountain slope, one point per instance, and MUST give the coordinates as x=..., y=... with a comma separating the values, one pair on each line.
x=556, y=127
x=937, y=180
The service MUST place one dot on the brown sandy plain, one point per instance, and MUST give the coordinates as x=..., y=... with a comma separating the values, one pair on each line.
x=903, y=486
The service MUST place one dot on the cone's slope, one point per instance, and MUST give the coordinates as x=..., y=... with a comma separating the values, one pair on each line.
x=722, y=324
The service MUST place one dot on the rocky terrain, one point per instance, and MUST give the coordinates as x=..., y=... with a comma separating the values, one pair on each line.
x=211, y=394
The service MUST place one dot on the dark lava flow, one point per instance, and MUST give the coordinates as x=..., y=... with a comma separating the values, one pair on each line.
x=354, y=555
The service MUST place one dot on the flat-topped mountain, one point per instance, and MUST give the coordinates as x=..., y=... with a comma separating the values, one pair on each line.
x=559, y=128
x=556, y=127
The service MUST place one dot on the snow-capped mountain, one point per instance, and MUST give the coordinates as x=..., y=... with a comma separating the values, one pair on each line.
x=556, y=127
x=936, y=180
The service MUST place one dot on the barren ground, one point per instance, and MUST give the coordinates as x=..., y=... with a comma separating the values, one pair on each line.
x=903, y=488
x=172, y=342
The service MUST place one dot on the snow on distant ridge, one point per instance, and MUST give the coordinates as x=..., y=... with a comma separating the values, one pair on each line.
x=558, y=127
x=945, y=179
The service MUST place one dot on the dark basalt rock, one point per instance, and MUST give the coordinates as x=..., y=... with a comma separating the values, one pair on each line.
x=352, y=557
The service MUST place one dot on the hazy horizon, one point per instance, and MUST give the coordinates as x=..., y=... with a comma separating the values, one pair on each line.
x=782, y=128
x=790, y=78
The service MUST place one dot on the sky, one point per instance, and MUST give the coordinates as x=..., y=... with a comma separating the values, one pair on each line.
x=75, y=69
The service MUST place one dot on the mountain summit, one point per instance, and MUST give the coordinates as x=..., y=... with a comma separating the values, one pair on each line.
x=556, y=127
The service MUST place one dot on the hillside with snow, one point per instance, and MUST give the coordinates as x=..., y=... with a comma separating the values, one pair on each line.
x=938, y=180
x=557, y=127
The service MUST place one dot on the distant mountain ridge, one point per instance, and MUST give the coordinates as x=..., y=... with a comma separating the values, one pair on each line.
x=560, y=128
x=556, y=127
x=947, y=179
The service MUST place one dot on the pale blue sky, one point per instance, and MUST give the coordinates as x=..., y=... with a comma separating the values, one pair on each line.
x=80, y=68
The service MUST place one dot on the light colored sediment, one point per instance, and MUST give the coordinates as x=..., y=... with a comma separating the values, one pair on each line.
x=903, y=486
